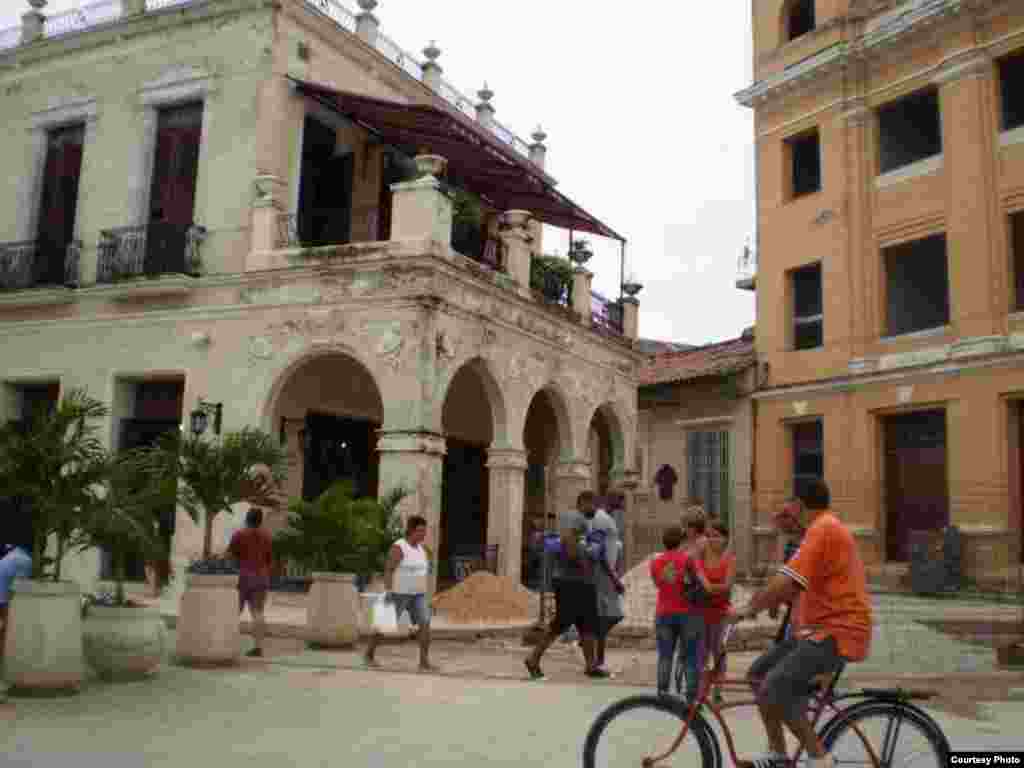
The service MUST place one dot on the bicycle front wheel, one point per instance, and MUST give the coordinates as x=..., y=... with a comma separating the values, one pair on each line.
x=632, y=732
x=894, y=734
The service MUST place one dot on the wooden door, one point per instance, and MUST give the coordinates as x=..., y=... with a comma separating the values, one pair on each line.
x=916, y=491
x=173, y=194
x=59, y=202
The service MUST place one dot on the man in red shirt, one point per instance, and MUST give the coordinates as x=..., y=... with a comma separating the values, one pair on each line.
x=251, y=546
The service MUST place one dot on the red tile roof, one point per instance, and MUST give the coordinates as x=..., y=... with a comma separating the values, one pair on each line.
x=717, y=359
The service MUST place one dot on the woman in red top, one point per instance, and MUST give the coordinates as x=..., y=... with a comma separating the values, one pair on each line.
x=719, y=569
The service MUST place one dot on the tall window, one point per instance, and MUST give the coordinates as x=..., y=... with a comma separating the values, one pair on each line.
x=917, y=285
x=804, y=156
x=59, y=202
x=807, y=307
x=808, y=453
x=799, y=18
x=708, y=476
x=909, y=130
x=1011, y=88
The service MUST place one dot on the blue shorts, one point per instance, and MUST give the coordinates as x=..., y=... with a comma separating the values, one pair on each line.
x=415, y=605
x=14, y=565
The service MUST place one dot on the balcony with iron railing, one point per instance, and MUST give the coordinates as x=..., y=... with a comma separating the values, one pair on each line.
x=33, y=264
x=746, y=270
x=166, y=256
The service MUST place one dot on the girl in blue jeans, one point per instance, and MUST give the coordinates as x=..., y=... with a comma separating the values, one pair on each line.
x=675, y=623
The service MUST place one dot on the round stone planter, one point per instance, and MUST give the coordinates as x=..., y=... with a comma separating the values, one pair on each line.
x=208, y=633
x=333, y=611
x=123, y=643
x=43, y=650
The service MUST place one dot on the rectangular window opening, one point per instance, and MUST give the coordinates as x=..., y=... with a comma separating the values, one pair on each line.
x=805, y=163
x=58, y=205
x=1011, y=89
x=917, y=285
x=909, y=130
x=808, y=453
x=1017, y=257
x=808, y=315
x=708, y=471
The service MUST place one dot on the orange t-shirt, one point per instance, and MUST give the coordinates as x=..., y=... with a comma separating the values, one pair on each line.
x=835, y=594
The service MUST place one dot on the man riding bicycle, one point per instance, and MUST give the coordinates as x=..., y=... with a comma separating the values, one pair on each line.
x=833, y=626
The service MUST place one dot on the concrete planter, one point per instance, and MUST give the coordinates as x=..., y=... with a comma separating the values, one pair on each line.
x=208, y=632
x=333, y=610
x=124, y=643
x=43, y=652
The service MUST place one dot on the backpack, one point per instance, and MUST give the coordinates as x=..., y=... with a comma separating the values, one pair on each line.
x=693, y=589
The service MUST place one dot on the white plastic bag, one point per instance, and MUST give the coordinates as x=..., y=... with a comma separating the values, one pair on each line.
x=383, y=617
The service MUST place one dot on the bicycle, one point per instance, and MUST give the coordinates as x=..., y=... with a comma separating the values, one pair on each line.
x=853, y=712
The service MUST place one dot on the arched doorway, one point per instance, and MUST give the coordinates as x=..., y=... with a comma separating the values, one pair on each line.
x=328, y=411
x=605, y=453
x=467, y=420
x=543, y=435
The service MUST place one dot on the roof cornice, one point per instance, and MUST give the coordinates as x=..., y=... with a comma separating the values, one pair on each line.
x=879, y=34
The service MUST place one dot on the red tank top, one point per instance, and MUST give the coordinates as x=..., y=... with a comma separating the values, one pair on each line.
x=718, y=606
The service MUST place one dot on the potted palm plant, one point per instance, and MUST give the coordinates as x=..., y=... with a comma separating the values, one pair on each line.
x=54, y=464
x=339, y=538
x=208, y=477
x=121, y=638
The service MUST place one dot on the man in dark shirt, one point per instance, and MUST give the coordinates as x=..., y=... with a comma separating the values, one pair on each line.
x=252, y=547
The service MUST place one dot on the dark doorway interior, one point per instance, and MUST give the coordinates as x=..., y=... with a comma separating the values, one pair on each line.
x=59, y=203
x=391, y=173
x=916, y=492
x=325, y=188
x=336, y=449
x=808, y=454
x=464, y=504
x=172, y=198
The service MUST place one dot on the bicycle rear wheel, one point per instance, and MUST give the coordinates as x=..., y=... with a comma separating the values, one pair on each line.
x=900, y=736
x=633, y=730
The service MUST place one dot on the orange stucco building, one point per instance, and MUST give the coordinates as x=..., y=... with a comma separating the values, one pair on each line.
x=890, y=267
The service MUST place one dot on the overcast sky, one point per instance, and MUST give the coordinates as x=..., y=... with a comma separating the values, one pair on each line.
x=642, y=128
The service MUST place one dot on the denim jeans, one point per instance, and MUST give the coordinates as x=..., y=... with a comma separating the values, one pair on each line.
x=685, y=631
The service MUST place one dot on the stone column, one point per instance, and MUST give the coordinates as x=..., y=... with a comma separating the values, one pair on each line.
x=507, y=485
x=431, y=69
x=518, y=248
x=485, y=110
x=420, y=209
x=367, y=25
x=413, y=461
x=32, y=26
x=538, y=156
x=581, y=300
x=571, y=479
x=626, y=483
x=630, y=317
x=861, y=254
x=266, y=212
x=970, y=136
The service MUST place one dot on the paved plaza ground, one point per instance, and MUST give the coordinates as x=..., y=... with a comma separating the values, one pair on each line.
x=306, y=708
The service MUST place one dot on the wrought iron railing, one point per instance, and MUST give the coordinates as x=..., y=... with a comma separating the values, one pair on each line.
x=605, y=314
x=127, y=252
x=80, y=19
x=28, y=264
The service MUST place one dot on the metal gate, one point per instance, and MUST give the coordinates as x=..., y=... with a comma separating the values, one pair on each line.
x=708, y=472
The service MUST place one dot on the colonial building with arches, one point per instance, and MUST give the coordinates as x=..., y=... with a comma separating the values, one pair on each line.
x=267, y=211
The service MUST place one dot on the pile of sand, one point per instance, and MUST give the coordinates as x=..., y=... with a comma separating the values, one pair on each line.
x=484, y=597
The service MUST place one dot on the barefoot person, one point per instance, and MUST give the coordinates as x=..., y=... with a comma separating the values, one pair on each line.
x=834, y=626
x=406, y=572
x=252, y=547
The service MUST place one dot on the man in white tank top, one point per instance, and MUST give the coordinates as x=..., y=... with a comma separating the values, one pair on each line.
x=406, y=574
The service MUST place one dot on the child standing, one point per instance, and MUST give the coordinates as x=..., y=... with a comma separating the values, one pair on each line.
x=719, y=570
x=673, y=614
x=692, y=641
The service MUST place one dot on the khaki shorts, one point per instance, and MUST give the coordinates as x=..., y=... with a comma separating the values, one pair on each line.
x=783, y=675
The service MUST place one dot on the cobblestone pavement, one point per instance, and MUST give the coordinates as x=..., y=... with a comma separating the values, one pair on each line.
x=265, y=713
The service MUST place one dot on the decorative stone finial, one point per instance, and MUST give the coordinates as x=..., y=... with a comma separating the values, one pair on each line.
x=485, y=94
x=432, y=51
x=538, y=134
x=367, y=6
x=37, y=5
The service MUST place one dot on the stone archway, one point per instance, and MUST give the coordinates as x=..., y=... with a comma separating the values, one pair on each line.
x=606, y=448
x=472, y=419
x=327, y=407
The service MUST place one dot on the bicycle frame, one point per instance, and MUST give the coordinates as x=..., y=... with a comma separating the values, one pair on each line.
x=822, y=700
